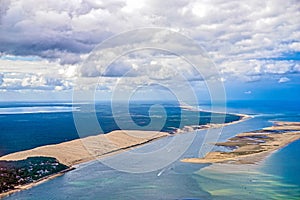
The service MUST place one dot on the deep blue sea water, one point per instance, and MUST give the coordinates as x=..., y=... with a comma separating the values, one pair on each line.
x=275, y=178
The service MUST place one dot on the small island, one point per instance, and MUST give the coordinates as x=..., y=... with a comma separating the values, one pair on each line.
x=252, y=147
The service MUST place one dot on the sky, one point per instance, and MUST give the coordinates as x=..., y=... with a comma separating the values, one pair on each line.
x=254, y=45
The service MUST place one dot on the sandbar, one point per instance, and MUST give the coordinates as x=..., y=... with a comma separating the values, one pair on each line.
x=252, y=147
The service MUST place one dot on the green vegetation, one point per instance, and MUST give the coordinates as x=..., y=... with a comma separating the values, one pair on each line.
x=14, y=173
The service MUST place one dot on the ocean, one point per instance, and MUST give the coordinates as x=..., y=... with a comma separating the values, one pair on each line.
x=276, y=177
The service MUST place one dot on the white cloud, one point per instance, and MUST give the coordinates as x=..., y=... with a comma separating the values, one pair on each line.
x=283, y=80
x=1, y=79
x=253, y=70
x=133, y=5
x=146, y=66
x=36, y=75
x=18, y=81
x=248, y=92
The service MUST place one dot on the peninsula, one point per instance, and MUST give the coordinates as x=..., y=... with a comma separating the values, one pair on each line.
x=252, y=147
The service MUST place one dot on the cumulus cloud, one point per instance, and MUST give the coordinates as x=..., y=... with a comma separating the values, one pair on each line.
x=17, y=81
x=150, y=56
x=36, y=75
x=1, y=79
x=159, y=67
x=283, y=80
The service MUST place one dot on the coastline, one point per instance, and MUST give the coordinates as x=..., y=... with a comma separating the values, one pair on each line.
x=83, y=150
x=35, y=183
x=253, y=147
x=243, y=117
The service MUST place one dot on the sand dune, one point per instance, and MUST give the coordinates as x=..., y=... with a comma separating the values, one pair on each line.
x=89, y=148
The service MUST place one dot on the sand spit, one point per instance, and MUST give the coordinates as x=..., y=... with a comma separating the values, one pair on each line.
x=252, y=147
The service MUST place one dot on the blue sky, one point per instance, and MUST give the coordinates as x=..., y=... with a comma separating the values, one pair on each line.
x=254, y=45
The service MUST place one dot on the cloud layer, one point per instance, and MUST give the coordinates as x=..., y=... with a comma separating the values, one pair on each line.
x=246, y=40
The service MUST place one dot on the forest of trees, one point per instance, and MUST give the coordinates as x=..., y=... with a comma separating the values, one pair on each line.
x=14, y=173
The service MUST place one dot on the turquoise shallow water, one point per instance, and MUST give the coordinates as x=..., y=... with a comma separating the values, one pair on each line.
x=275, y=178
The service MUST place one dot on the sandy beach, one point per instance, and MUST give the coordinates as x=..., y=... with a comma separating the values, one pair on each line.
x=30, y=185
x=83, y=150
x=243, y=117
x=252, y=147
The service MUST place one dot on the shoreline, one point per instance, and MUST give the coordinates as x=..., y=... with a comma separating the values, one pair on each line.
x=35, y=183
x=243, y=117
x=84, y=150
x=252, y=147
